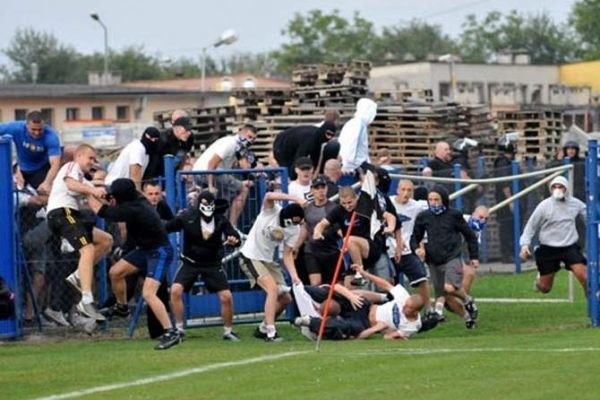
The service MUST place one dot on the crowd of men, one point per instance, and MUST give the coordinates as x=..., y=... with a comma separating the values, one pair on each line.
x=414, y=234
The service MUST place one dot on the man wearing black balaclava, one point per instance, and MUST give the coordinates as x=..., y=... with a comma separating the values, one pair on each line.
x=203, y=230
x=134, y=158
x=300, y=141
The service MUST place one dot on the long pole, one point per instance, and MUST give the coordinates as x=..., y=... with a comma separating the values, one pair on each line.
x=338, y=266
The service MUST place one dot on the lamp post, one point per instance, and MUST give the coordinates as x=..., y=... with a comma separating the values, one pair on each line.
x=451, y=59
x=96, y=17
x=227, y=37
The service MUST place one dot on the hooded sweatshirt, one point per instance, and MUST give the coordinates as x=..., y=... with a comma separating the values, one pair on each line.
x=554, y=220
x=447, y=229
x=354, y=141
x=301, y=141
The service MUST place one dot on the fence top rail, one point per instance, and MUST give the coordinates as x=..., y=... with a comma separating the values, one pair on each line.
x=526, y=175
x=231, y=171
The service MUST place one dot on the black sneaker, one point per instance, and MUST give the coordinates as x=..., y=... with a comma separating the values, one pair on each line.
x=472, y=309
x=168, y=339
x=231, y=336
x=258, y=334
x=273, y=339
x=116, y=310
x=471, y=324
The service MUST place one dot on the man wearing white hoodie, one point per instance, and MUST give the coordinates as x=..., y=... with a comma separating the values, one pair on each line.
x=354, y=140
x=554, y=221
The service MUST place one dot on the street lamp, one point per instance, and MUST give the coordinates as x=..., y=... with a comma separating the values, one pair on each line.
x=451, y=59
x=227, y=37
x=96, y=17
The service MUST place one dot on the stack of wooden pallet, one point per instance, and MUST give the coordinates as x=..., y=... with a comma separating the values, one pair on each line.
x=251, y=104
x=539, y=131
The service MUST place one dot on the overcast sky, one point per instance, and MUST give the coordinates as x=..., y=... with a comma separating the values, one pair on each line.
x=183, y=27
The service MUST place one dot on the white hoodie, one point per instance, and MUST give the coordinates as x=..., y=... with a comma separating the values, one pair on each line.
x=354, y=141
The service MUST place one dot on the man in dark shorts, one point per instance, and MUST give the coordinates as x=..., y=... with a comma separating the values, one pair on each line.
x=554, y=221
x=203, y=230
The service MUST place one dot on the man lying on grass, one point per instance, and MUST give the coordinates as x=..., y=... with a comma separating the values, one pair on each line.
x=398, y=317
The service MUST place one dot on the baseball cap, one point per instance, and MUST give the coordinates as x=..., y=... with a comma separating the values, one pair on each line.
x=319, y=181
x=303, y=162
x=183, y=121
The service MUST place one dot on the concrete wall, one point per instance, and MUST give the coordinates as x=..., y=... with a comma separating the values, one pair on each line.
x=583, y=73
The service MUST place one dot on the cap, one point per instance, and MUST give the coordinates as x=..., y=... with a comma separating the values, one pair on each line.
x=122, y=189
x=183, y=121
x=152, y=132
x=319, y=181
x=303, y=162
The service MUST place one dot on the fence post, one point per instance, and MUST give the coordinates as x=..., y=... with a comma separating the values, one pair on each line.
x=483, y=246
x=516, y=218
x=591, y=193
x=11, y=327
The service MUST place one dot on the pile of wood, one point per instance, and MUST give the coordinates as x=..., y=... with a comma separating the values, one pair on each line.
x=252, y=104
x=539, y=131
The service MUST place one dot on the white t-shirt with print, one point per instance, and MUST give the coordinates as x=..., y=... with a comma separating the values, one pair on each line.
x=407, y=213
x=300, y=190
x=132, y=154
x=391, y=313
x=260, y=244
x=225, y=148
x=60, y=195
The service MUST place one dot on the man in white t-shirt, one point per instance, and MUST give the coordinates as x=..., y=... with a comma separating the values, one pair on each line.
x=227, y=153
x=274, y=225
x=398, y=318
x=64, y=219
x=134, y=157
x=410, y=265
x=304, y=174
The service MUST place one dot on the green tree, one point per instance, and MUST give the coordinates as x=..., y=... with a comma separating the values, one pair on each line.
x=319, y=37
x=54, y=61
x=585, y=15
x=544, y=40
x=412, y=42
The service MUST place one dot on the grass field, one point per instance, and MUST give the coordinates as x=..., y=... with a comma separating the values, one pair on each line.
x=519, y=351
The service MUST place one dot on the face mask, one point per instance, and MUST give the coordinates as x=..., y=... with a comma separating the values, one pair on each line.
x=206, y=209
x=475, y=224
x=558, y=194
x=437, y=210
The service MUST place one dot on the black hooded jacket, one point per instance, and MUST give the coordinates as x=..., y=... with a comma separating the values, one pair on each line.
x=444, y=233
x=300, y=141
x=202, y=251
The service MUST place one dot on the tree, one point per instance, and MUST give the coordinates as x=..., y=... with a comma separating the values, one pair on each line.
x=585, y=15
x=545, y=41
x=318, y=37
x=412, y=42
x=54, y=61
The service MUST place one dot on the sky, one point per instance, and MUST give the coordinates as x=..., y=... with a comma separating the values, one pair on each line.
x=176, y=28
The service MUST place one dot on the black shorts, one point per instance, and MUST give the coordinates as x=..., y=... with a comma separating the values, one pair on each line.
x=548, y=258
x=411, y=266
x=36, y=177
x=69, y=224
x=214, y=276
x=321, y=263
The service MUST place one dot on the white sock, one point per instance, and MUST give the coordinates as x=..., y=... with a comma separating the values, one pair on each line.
x=262, y=327
x=271, y=330
x=179, y=326
x=227, y=330
x=87, y=297
x=439, y=308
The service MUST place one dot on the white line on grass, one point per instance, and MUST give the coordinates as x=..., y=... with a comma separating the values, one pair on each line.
x=167, y=377
x=475, y=350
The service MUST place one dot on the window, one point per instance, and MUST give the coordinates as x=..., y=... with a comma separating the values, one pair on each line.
x=47, y=115
x=20, y=114
x=98, y=112
x=72, y=114
x=123, y=113
x=444, y=91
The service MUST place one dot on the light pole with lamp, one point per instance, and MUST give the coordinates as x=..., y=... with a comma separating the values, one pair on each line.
x=451, y=59
x=96, y=17
x=228, y=37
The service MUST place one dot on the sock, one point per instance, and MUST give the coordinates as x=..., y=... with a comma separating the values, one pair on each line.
x=227, y=330
x=271, y=330
x=468, y=299
x=439, y=308
x=262, y=327
x=87, y=297
x=179, y=326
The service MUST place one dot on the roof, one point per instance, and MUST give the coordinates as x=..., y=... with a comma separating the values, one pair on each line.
x=73, y=90
x=213, y=83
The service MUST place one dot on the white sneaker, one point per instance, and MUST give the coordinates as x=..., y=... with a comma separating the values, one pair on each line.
x=56, y=316
x=308, y=333
x=89, y=310
x=302, y=321
x=79, y=321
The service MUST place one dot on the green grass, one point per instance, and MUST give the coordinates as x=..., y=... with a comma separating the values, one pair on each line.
x=519, y=351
